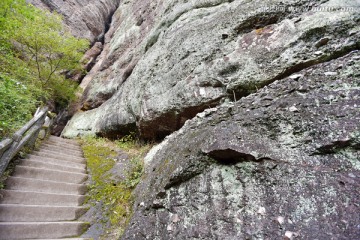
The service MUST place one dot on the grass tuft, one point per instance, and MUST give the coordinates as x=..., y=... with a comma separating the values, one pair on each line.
x=114, y=194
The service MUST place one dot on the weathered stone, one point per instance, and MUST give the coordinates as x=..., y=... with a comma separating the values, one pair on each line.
x=293, y=174
x=90, y=56
x=322, y=42
x=62, y=118
x=330, y=73
x=165, y=61
x=86, y=18
x=88, y=61
x=296, y=76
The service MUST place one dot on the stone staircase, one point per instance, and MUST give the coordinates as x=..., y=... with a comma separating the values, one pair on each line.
x=43, y=198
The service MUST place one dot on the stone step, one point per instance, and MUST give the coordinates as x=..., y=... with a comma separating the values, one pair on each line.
x=62, y=140
x=60, y=150
x=59, y=154
x=35, y=213
x=45, y=165
x=44, y=194
x=36, y=185
x=75, y=147
x=56, y=161
x=41, y=230
x=50, y=175
x=62, y=239
x=60, y=157
x=65, y=153
x=63, y=145
x=38, y=198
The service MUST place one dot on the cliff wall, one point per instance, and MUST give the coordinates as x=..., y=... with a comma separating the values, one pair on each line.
x=166, y=61
x=257, y=104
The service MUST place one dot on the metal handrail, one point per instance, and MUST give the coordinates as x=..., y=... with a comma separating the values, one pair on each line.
x=27, y=135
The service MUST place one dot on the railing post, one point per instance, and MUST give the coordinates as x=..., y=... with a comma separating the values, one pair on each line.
x=5, y=145
x=45, y=128
x=32, y=140
x=8, y=155
x=20, y=139
x=5, y=159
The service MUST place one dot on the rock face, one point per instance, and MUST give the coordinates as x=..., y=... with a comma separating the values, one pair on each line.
x=272, y=90
x=164, y=61
x=88, y=19
x=278, y=164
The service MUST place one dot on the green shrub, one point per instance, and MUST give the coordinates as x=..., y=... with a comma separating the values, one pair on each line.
x=35, y=51
x=17, y=104
x=114, y=194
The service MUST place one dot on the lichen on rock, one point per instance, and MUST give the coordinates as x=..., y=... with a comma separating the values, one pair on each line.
x=161, y=71
x=257, y=111
x=232, y=173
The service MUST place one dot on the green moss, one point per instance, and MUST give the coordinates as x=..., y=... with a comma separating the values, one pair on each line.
x=116, y=196
x=127, y=142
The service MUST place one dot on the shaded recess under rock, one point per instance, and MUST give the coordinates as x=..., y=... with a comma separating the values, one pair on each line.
x=284, y=161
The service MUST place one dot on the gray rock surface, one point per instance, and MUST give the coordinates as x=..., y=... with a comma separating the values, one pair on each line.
x=272, y=150
x=165, y=61
x=86, y=18
x=282, y=163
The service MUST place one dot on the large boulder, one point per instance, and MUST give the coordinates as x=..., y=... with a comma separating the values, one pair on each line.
x=166, y=61
x=278, y=164
x=88, y=19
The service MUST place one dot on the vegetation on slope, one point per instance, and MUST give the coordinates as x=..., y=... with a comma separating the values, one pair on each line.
x=109, y=188
x=35, y=53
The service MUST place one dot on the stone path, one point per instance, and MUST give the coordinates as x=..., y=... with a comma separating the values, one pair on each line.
x=43, y=197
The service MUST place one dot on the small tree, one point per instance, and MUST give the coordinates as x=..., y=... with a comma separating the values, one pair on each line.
x=50, y=47
x=35, y=51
